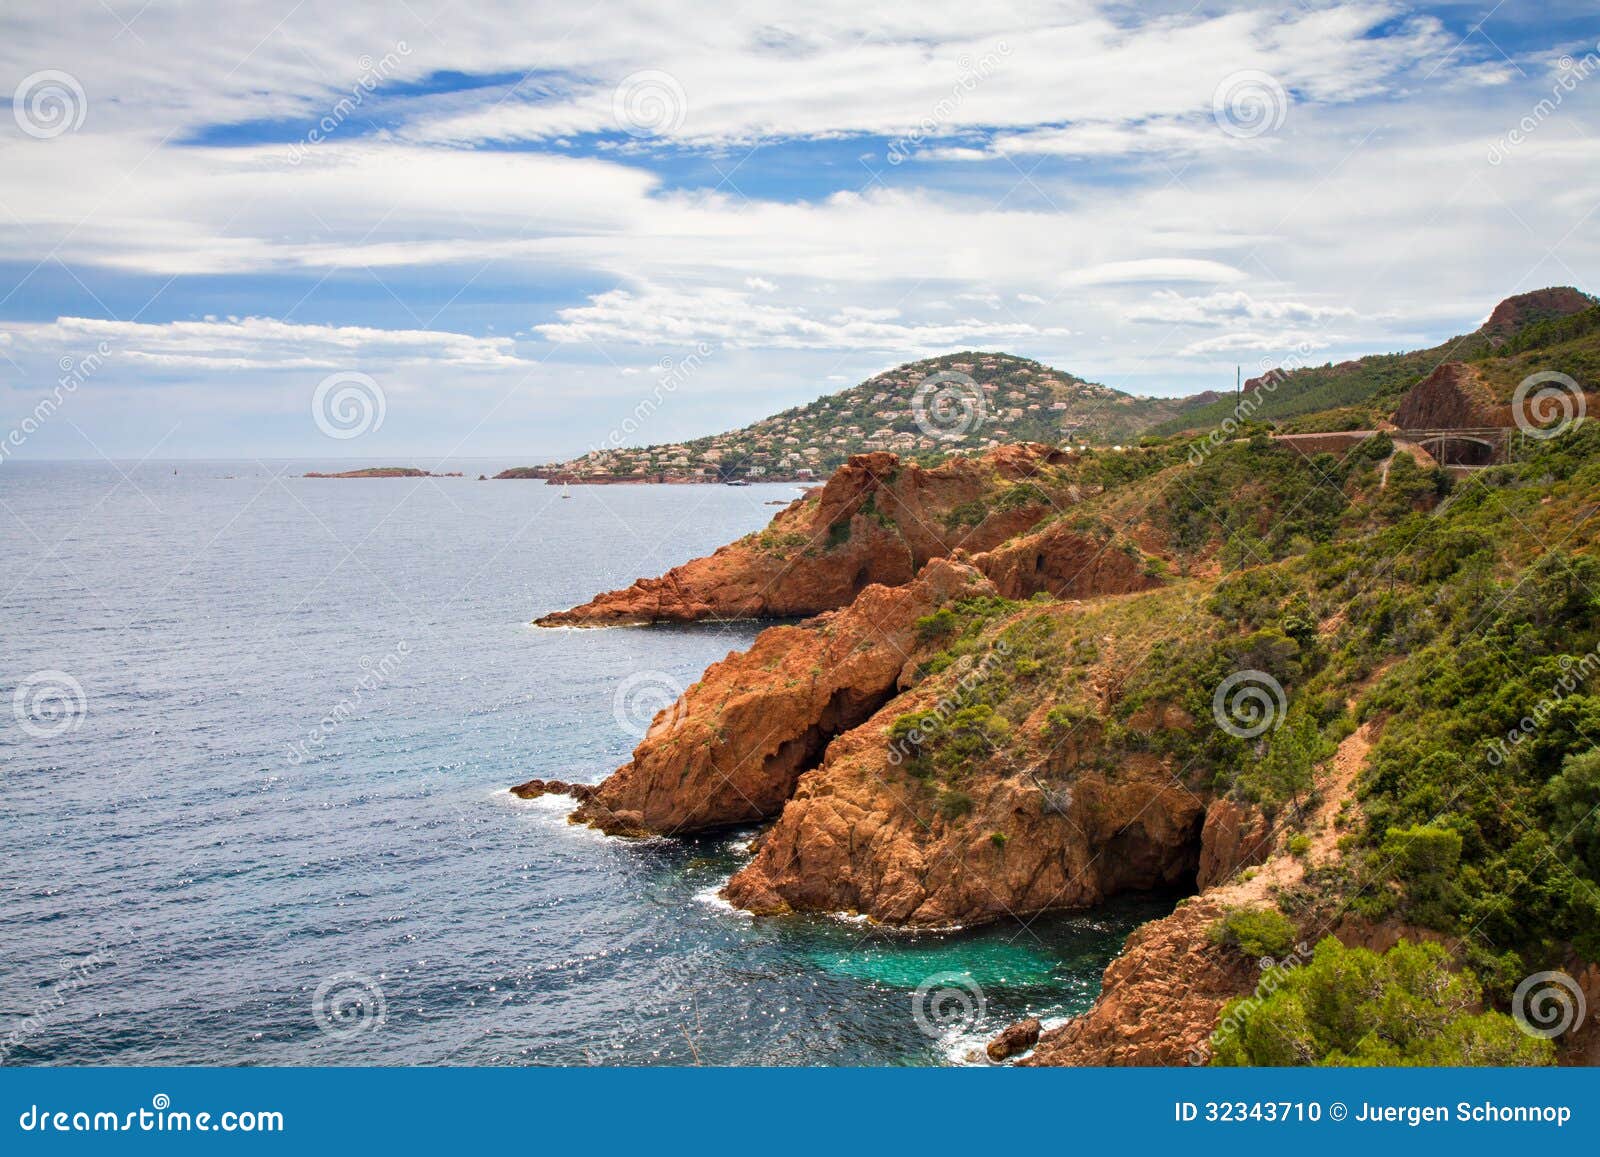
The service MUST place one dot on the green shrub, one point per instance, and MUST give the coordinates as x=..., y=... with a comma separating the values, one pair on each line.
x=954, y=804
x=1349, y=1006
x=1421, y=852
x=1255, y=932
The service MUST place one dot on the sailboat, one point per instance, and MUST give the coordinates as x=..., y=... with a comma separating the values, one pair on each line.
x=566, y=490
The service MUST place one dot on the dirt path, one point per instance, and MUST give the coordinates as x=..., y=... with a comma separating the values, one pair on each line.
x=1282, y=870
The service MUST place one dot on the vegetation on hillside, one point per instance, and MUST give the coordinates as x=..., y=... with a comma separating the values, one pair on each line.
x=1450, y=612
x=1349, y=1006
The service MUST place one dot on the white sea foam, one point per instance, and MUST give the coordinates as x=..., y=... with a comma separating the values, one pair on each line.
x=712, y=897
x=967, y=1047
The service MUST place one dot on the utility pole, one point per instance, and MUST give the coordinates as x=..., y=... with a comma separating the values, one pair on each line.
x=1238, y=381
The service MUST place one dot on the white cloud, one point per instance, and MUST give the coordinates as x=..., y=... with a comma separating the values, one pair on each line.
x=1101, y=203
x=262, y=343
x=1168, y=307
x=1256, y=341
x=658, y=315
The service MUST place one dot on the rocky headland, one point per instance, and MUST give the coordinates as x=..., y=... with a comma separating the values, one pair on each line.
x=1034, y=679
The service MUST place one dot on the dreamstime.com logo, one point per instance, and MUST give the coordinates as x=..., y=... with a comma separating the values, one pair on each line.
x=1569, y=74
x=969, y=74
x=348, y=1005
x=644, y=695
x=1575, y=674
x=937, y=717
x=373, y=74
x=649, y=103
x=160, y=1117
x=348, y=404
x=1249, y=103
x=948, y=1002
x=948, y=405
x=375, y=674
x=1273, y=975
x=49, y=103
x=673, y=372
x=75, y=975
x=48, y=704
x=1248, y=703
x=1273, y=375
x=1548, y=1004
x=1547, y=404
x=74, y=373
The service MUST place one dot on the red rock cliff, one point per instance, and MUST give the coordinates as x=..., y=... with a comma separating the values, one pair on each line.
x=878, y=520
x=732, y=748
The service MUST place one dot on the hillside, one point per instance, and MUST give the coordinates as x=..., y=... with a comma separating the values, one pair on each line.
x=1351, y=703
x=1362, y=393
x=992, y=399
x=973, y=401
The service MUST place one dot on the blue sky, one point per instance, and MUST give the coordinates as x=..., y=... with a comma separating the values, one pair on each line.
x=507, y=221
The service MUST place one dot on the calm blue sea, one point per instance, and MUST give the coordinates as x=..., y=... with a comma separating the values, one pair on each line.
x=255, y=736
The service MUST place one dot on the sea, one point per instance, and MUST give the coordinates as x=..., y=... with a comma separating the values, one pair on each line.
x=256, y=735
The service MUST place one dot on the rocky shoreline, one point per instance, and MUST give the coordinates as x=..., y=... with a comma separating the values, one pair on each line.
x=998, y=702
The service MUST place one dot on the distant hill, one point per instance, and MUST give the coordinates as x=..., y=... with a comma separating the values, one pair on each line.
x=981, y=400
x=973, y=401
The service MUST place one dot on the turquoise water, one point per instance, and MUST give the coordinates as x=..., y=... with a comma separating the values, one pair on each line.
x=274, y=828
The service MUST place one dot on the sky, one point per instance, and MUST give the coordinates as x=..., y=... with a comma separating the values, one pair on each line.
x=417, y=230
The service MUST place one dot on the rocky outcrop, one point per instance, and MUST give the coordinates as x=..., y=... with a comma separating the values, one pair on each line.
x=1453, y=397
x=731, y=749
x=878, y=520
x=1014, y=1040
x=1066, y=562
x=864, y=836
x=1525, y=308
x=1236, y=835
x=1159, y=1001
x=535, y=788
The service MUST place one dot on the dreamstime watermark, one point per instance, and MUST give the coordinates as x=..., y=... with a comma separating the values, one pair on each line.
x=376, y=673
x=348, y=404
x=649, y=103
x=1273, y=975
x=937, y=717
x=1249, y=703
x=160, y=1117
x=948, y=406
x=1569, y=74
x=48, y=704
x=970, y=74
x=1249, y=103
x=948, y=1002
x=373, y=73
x=76, y=974
x=349, y=1004
x=49, y=103
x=641, y=697
x=1273, y=375
x=1547, y=404
x=1575, y=673
x=74, y=373
x=673, y=373
x=1548, y=1005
